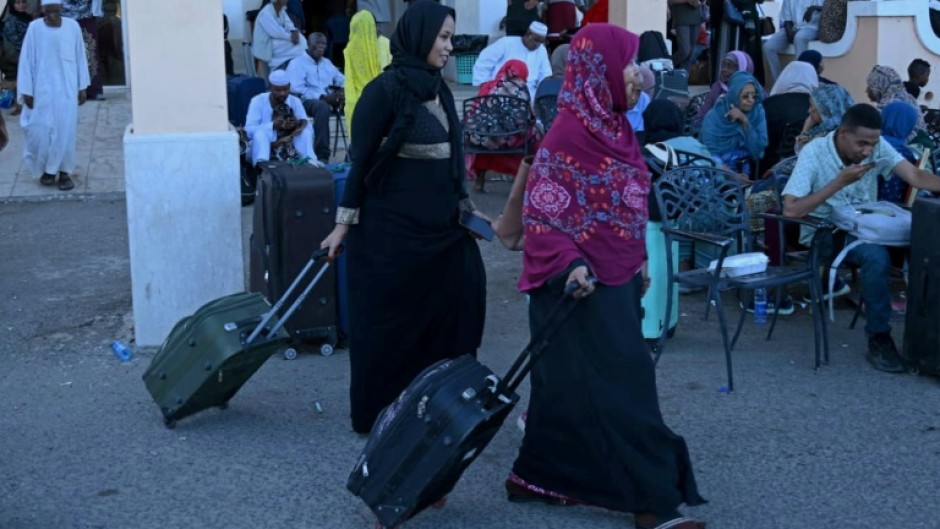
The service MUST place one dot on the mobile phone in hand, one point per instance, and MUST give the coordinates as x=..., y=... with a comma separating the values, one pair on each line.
x=476, y=225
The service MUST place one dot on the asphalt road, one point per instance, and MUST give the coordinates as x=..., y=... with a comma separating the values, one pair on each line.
x=82, y=446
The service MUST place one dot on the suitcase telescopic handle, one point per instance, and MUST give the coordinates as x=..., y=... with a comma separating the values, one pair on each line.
x=533, y=351
x=322, y=253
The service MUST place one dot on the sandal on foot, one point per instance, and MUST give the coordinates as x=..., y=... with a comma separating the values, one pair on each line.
x=47, y=179
x=648, y=521
x=65, y=182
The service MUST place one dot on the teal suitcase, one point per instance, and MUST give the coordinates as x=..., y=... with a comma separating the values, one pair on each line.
x=654, y=302
x=209, y=355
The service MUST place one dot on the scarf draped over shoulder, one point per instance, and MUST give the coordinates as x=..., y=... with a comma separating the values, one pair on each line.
x=586, y=197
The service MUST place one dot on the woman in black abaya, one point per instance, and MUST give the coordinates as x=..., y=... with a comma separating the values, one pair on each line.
x=417, y=282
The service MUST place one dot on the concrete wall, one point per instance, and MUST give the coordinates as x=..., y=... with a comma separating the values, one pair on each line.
x=890, y=33
x=480, y=17
x=162, y=36
x=639, y=16
x=181, y=165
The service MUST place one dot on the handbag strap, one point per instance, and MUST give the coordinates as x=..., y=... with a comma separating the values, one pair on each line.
x=665, y=153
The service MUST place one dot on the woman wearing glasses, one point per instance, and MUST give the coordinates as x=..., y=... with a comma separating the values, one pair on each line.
x=735, y=130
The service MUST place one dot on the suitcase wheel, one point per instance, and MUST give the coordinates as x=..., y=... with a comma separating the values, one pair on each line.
x=913, y=369
x=223, y=406
x=290, y=353
x=169, y=423
x=326, y=349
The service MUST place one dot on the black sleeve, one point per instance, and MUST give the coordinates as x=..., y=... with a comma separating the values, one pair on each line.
x=372, y=120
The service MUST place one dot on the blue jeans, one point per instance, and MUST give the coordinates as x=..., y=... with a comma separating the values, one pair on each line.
x=875, y=275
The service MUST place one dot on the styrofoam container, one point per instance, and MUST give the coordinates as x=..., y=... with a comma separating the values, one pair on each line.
x=742, y=264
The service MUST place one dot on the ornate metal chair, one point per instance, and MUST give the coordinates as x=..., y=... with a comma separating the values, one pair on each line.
x=706, y=205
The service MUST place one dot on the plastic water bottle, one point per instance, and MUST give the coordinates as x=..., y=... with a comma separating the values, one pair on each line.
x=121, y=350
x=760, y=305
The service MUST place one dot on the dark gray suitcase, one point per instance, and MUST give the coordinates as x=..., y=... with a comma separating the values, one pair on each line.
x=294, y=211
x=671, y=84
x=922, y=322
x=422, y=443
x=209, y=356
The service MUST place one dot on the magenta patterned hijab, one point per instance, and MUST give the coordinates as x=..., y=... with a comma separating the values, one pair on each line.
x=586, y=194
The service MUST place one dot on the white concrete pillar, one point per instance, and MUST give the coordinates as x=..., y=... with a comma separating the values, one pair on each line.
x=181, y=165
x=639, y=16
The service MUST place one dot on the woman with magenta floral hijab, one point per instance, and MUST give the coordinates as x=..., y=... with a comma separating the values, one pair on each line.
x=594, y=433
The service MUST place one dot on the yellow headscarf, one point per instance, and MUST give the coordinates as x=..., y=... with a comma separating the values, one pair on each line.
x=362, y=60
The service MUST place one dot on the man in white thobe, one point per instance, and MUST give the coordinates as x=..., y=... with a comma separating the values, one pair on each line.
x=528, y=48
x=800, y=20
x=265, y=129
x=51, y=81
x=318, y=84
x=275, y=40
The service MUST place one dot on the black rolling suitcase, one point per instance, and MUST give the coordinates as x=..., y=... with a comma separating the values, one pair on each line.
x=922, y=324
x=293, y=212
x=422, y=443
x=209, y=356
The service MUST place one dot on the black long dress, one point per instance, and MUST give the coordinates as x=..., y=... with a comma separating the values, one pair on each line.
x=594, y=431
x=417, y=282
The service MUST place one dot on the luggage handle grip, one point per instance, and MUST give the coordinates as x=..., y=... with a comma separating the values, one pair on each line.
x=558, y=316
x=317, y=255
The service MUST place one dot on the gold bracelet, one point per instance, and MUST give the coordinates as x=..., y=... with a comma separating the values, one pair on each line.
x=347, y=215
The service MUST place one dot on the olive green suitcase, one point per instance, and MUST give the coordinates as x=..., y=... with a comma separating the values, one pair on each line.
x=209, y=355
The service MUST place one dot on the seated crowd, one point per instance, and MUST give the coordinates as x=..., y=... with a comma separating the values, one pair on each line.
x=845, y=151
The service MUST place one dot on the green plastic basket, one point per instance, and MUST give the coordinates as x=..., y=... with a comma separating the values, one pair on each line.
x=465, y=68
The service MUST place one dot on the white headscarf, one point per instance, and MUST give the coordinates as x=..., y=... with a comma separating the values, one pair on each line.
x=797, y=78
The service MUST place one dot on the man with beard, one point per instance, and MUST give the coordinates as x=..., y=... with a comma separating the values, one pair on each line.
x=318, y=83
x=52, y=78
x=842, y=168
x=529, y=49
x=277, y=122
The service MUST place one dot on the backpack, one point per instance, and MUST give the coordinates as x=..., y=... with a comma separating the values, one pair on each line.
x=652, y=46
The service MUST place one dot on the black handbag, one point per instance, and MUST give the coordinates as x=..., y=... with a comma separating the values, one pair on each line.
x=767, y=26
x=733, y=15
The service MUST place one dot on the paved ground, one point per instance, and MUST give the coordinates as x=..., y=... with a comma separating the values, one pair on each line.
x=82, y=445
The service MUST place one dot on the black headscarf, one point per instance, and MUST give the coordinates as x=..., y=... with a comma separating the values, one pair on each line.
x=662, y=120
x=419, y=82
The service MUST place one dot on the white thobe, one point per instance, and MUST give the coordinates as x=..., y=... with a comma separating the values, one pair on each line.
x=794, y=10
x=52, y=69
x=273, y=31
x=309, y=79
x=494, y=56
x=259, y=125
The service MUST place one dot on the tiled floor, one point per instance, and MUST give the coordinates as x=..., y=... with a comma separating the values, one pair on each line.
x=99, y=153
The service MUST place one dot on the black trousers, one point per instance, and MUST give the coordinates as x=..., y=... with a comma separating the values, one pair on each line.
x=319, y=111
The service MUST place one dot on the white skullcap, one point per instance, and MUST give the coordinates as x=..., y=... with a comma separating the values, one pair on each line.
x=279, y=78
x=538, y=28
x=48, y=2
